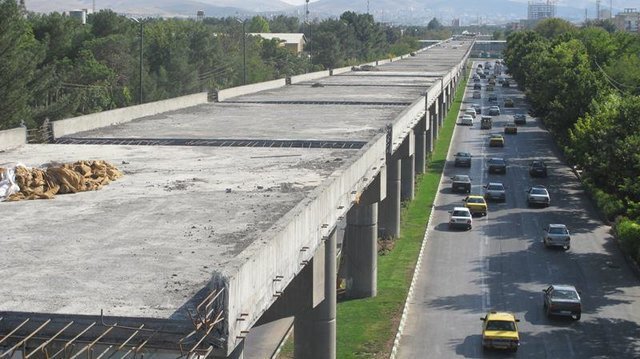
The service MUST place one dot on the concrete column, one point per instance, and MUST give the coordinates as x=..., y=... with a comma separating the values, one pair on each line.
x=421, y=145
x=361, y=251
x=408, y=168
x=315, y=329
x=434, y=121
x=441, y=108
x=390, y=206
x=430, y=135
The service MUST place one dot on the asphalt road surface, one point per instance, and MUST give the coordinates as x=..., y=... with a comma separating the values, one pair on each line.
x=501, y=264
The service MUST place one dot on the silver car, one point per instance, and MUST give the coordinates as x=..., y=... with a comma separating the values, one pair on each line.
x=538, y=195
x=562, y=299
x=494, y=191
x=556, y=235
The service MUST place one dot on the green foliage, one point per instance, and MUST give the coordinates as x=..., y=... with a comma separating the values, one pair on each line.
x=258, y=24
x=434, y=24
x=628, y=233
x=20, y=56
x=286, y=24
x=554, y=28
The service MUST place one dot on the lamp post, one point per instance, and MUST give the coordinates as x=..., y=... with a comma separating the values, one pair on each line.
x=141, y=53
x=244, y=52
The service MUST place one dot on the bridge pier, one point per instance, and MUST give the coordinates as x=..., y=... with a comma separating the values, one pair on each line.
x=442, y=109
x=315, y=329
x=390, y=206
x=435, y=125
x=421, y=145
x=361, y=243
x=408, y=171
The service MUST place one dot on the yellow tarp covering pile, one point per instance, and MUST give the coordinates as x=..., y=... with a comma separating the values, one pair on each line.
x=36, y=183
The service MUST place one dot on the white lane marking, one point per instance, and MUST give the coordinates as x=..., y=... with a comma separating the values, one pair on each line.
x=570, y=346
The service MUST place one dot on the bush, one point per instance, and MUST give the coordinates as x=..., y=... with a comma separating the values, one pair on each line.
x=628, y=233
x=610, y=205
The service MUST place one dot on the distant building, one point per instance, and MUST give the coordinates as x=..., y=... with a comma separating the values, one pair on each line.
x=628, y=20
x=540, y=11
x=292, y=41
x=455, y=23
x=81, y=15
x=604, y=14
x=199, y=15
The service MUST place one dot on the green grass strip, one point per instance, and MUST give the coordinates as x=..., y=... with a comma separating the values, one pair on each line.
x=366, y=328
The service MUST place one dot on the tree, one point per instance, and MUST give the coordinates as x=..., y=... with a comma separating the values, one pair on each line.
x=258, y=24
x=554, y=27
x=434, y=24
x=20, y=55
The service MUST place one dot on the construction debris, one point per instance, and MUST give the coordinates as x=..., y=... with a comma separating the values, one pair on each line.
x=45, y=183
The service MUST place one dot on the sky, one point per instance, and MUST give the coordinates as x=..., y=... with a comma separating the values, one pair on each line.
x=297, y=2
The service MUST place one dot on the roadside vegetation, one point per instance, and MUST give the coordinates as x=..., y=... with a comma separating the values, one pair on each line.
x=585, y=85
x=54, y=67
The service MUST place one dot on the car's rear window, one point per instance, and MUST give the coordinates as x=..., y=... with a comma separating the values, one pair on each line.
x=563, y=294
x=475, y=200
x=538, y=191
x=495, y=187
x=461, y=214
x=557, y=230
x=461, y=179
x=503, y=325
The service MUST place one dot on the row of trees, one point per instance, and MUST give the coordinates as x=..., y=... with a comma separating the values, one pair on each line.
x=52, y=66
x=585, y=85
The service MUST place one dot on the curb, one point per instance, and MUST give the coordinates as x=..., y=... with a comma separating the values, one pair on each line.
x=416, y=272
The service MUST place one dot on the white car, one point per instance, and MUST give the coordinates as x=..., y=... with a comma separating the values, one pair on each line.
x=556, y=235
x=470, y=111
x=466, y=120
x=460, y=217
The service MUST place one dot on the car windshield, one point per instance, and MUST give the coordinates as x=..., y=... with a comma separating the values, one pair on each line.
x=558, y=230
x=495, y=187
x=496, y=162
x=536, y=164
x=463, y=154
x=539, y=191
x=502, y=325
x=475, y=200
x=461, y=214
x=564, y=294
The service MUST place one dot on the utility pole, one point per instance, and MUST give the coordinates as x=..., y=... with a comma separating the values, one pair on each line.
x=597, y=9
x=368, y=7
x=141, y=53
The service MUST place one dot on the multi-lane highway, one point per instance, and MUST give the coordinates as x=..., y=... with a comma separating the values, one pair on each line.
x=501, y=264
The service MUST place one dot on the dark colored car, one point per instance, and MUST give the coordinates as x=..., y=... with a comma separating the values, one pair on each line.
x=497, y=165
x=562, y=299
x=461, y=183
x=476, y=79
x=478, y=108
x=506, y=83
x=493, y=98
x=520, y=119
x=477, y=86
x=463, y=159
x=538, y=168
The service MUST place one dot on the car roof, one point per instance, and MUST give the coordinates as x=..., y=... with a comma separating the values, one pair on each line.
x=539, y=186
x=496, y=159
x=557, y=225
x=462, y=153
x=462, y=177
x=501, y=316
x=495, y=184
x=564, y=287
x=461, y=209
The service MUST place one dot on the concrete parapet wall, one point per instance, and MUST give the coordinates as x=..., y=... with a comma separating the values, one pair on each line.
x=12, y=138
x=107, y=118
x=310, y=77
x=406, y=121
x=340, y=70
x=266, y=267
x=226, y=94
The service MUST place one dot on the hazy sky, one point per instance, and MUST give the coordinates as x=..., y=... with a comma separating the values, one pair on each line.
x=297, y=2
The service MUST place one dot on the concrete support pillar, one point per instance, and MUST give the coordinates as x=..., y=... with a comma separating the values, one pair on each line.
x=315, y=329
x=390, y=206
x=434, y=121
x=421, y=145
x=430, y=136
x=361, y=250
x=408, y=168
x=442, y=108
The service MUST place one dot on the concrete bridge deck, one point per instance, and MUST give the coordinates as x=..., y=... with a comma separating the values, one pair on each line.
x=185, y=220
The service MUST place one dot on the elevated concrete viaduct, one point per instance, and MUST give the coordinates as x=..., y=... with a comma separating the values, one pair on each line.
x=227, y=215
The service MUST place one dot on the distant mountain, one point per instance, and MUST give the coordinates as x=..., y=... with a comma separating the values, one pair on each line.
x=415, y=12
x=214, y=8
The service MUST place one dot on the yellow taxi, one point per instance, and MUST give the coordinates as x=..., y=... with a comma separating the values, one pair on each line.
x=476, y=204
x=496, y=140
x=500, y=331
